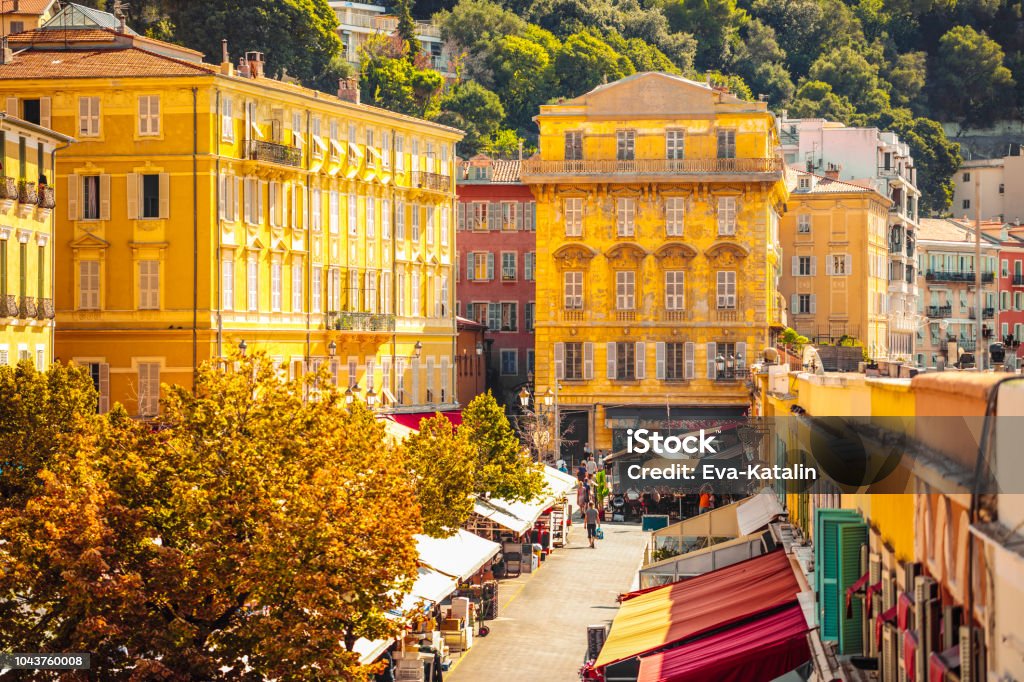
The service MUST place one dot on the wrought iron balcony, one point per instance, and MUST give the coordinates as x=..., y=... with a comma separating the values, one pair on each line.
x=272, y=152
x=8, y=188
x=27, y=307
x=735, y=374
x=361, y=322
x=9, y=306
x=599, y=167
x=27, y=193
x=939, y=311
x=44, y=309
x=431, y=181
x=966, y=276
x=47, y=199
x=986, y=313
x=1018, y=280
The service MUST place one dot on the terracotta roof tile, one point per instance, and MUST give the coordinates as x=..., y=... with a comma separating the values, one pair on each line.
x=505, y=171
x=51, y=35
x=97, y=64
x=25, y=6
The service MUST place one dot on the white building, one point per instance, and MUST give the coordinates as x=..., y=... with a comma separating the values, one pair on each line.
x=997, y=183
x=876, y=159
x=358, y=22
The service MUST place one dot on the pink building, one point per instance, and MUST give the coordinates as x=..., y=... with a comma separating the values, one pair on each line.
x=1011, y=285
x=496, y=255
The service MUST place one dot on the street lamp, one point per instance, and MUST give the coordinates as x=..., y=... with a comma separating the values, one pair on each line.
x=350, y=394
x=739, y=360
x=720, y=364
x=730, y=362
x=549, y=398
x=479, y=348
x=242, y=345
x=524, y=397
x=371, y=398
x=417, y=350
x=332, y=348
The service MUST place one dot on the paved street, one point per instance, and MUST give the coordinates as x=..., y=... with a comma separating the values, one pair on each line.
x=541, y=631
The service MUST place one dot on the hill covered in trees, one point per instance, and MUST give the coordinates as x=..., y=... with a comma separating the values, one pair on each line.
x=902, y=65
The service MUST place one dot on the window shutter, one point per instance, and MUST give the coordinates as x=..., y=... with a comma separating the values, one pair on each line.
x=559, y=360
x=258, y=198
x=796, y=265
x=469, y=267
x=104, y=388
x=588, y=360
x=74, y=184
x=641, y=360
x=712, y=348
x=44, y=112
x=690, y=352
x=828, y=267
x=462, y=216
x=814, y=265
x=12, y=107
x=165, y=195
x=659, y=360
x=610, y=359
x=236, y=194
x=519, y=215
x=222, y=200
x=814, y=305
x=490, y=265
x=851, y=537
x=741, y=352
x=794, y=304
x=272, y=200
x=133, y=196
x=105, y=197
x=494, y=216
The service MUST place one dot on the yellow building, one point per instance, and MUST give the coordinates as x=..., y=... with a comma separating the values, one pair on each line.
x=207, y=206
x=834, y=236
x=24, y=15
x=27, y=152
x=658, y=204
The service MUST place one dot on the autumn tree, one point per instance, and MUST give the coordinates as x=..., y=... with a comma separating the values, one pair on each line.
x=442, y=464
x=503, y=468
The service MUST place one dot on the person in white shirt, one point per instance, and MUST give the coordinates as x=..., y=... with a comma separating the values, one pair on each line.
x=591, y=466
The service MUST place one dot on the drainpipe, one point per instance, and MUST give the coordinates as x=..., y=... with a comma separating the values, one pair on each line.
x=309, y=238
x=195, y=233
x=53, y=252
x=218, y=266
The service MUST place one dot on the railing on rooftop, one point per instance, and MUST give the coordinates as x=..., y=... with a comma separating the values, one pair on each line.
x=967, y=276
x=360, y=322
x=650, y=166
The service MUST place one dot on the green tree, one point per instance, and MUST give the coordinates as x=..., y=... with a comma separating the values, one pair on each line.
x=936, y=159
x=502, y=469
x=474, y=109
x=814, y=99
x=523, y=76
x=714, y=23
x=388, y=80
x=407, y=28
x=299, y=36
x=908, y=75
x=506, y=143
x=969, y=82
x=441, y=462
x=477, y=21
x=641, y=54
x=852, y=76
x=585, y=61
x=761, y=63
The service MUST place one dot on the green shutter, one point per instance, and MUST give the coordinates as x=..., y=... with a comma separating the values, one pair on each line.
x=826, y=566
x=852, y=536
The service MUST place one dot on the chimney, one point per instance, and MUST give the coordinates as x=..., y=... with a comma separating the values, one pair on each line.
x=255, y=62
x=243, y=67
x=832, y=173
x=118, y=14
x=226, y=67
x=6, y=54
x=348, y=89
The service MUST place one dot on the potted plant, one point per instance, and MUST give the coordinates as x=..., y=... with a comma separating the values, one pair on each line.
x=601, y=491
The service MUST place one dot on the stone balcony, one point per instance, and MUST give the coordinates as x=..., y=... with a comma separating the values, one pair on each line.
x=651, y=170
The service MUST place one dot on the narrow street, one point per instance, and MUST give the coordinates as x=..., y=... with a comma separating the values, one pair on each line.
x=541, y=630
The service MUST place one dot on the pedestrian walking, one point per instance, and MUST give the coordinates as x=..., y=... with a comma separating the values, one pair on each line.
x=593, y=523
x=591, y=466
x=705, y=502
x=581, y=471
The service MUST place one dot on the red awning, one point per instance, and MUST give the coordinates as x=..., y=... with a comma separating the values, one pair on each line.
x=758, y=651
x=852, y=590
x=413, y=419
x=657, y=618
x=885, y=617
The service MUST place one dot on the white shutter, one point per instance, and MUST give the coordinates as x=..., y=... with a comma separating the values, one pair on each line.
x=272, y=199
x=828, y=266
x=262, y=186
x=610, y=359
x=74, y=184
x=659, y=360
x=133, y=196
x=165, y=196
x=641, y=360
x=104, y=387
x=236, y=195
x=795, y=265
x=12, y=107
x=105, y=197
x=490, y=265
x=44, y=112
x=814, y=305
x=689, y=349
x=588, y=360
x=814, y=266
x=469, y=267
x=794, y=304
x=462, y=216
x=712, y=348
x=559, y=360
x=222, y=199
x=741, y=352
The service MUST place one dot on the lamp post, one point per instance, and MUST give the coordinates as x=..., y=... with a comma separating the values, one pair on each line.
x=719, y=366
x=524, y=398
x=350, y=394
x=242, y=346
x=332, y=348
x=730, y=364
x=371, y=399
x=417, y=350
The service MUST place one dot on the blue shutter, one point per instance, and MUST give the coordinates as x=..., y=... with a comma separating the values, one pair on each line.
x=852, y=536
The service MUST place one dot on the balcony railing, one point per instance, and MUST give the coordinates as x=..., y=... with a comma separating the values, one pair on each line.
x=986, y=313
x=736, y=374
x=27, y=307
x=676, y=315
x=431, y=181
x=361, y=322
x=1018, y=280
x=508, y=274
x=9, y=306
x=8, y=188
x=650, y=166
x=47, y=199
x=572, y=315
x=726, y=315
x=625, y=316
x=27, y=193
x=957, y=276
x=44, y=309
x=272, y=152
x=939, y=311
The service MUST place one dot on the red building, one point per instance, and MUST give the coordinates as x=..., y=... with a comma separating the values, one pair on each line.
x=496, y=245
x=470, y=360
x=1010, y=324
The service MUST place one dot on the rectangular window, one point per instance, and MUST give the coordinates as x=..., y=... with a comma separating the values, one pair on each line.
x=252, y=284
x=297, y=285
x=509, y=317
x=89, y=285
x=674, y=211
x=385, y=218
x=625, y=216
x=674, y=144
x=803, y=224
x=149, y=284
x=726, y=289
x=353, y=218
x=227, y=122
x=371, y=217
x=839, y=264
x=675, y=289
x=150, y=196
x=804, y=304
x=149, y=115
x=509, y=362
x=804, y=266
x=508, y=215
x=481, y=268
x=675, y=361
x=573, y=290
x=625, y=145
x=573, y=209
x=529, y=361
x=574, y=145
x=276, y=286
x=529, y=266
x=625, y=290
x=477, y=215
x=573, y=360
x=727, y=144
x=415, y=224
x=726, y=216
x=444, y=224
x=317, y=289
x=227, y=283
x=88, y=116
x=625, y=361
x=91, y=197
x=508, y=266
x=430, y=227
x=149, y=388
